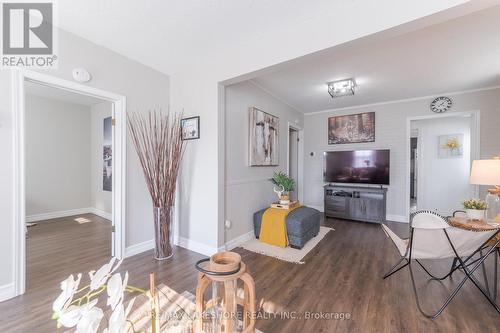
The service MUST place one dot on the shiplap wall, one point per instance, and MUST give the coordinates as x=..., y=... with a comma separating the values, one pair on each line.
x=390, y=134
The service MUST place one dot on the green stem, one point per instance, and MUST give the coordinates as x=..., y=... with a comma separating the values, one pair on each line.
x=132, y=288
x=88, y=296
x=80, y=290
x=132, y=326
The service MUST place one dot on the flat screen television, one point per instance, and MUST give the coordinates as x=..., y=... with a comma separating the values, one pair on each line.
x=357, y=167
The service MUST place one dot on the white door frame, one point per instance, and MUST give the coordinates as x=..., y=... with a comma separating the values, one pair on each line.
x=19, y=77
x=474, y=151
x=300, y=157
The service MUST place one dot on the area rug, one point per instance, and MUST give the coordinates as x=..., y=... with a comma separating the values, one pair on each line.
x=286, y=253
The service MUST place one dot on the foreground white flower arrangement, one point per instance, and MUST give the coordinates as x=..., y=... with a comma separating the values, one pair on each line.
x=76, y=308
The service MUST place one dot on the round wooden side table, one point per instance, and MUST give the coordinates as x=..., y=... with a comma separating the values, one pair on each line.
x=473, y=225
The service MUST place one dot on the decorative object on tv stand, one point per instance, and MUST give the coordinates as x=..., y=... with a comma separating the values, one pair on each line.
x=341, y=88
x=353, y=128
x=220, y=314
x=475, y=208
x=264, y=138
x=487, y=172
x=157, y=139
x=76, y=307
x=285, y=185
x=190, y=128
x=451, y=146
x=441, y=104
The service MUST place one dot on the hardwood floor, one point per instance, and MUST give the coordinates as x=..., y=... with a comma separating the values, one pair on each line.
x=343, y=274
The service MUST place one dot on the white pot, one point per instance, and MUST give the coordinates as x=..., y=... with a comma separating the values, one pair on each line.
x=476, y=214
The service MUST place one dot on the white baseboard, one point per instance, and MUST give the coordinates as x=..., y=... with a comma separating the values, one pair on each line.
x=55, y=215
x=239, y=240
x=66, y=213
x=320, y=208
x=132, y=250
x=397, y=218
x=186, y=243
x=7, y=291
x=101, y=213
x=195, y=246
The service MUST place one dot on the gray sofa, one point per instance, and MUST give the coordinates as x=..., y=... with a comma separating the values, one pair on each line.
x=302, y=224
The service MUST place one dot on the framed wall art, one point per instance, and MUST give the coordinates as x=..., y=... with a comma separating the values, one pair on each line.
x=263, y=138
x=353, y=128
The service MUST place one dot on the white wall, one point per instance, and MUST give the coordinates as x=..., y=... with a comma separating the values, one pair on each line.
x=248, y=189
x=99, y=199
x=442, y=182
x=390, y=134
x=195, y=81
x=57, y=152
x=194, y=89
x=144, y=89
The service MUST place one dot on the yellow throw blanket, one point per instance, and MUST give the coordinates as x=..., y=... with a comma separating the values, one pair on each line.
x=273, y=226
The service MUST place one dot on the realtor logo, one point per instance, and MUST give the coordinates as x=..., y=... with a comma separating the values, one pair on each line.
x=28, y=34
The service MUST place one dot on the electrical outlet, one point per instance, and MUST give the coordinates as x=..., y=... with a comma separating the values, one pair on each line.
x=228, y=224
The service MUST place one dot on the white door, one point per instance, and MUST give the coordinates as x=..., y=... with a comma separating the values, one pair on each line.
x=113, y=172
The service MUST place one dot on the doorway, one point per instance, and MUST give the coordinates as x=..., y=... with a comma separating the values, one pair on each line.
x=39, y=209
x=413, y=170
x=294, y=161
x=440, y=153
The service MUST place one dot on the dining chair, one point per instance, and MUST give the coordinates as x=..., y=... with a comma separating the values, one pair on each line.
x=432, y=238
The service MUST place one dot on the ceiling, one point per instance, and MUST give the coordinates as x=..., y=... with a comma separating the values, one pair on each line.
x=173, y=35
x=457, y=55
x=59, y=94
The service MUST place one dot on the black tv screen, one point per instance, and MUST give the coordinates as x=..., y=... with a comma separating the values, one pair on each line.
x=357, y=167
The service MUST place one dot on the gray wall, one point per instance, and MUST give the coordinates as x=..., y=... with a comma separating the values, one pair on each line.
x=391, y=134
x=57, y=154
x=248, y=189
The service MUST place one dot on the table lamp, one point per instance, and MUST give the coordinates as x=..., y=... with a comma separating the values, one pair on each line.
x=487, y=172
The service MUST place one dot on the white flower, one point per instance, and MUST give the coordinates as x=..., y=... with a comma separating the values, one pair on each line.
x=99, y=278
x=69, y=316
x=68, y=287
x=118, y=320
x=90, y=318
x=116, y=288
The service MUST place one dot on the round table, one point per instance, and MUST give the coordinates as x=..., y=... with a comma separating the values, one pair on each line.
x=473, y=225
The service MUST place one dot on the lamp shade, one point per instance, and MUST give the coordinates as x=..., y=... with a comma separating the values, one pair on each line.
x=485, y=172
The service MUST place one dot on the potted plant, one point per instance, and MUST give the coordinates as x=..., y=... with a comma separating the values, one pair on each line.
x=286, y=184
x=476, y=208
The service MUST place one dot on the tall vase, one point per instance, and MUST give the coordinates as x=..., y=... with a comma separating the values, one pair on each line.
x=163, y=218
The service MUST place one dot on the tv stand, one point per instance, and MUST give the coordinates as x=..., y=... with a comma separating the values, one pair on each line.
x=367, y=204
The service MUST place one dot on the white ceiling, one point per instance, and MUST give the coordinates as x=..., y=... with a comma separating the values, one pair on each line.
x=457, y=55
x=59, y=94
x=177, y=34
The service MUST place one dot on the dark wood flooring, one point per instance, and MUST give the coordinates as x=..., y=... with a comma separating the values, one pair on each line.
x=341, y=275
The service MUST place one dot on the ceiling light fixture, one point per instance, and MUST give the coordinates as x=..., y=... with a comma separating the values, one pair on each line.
x=341, y=88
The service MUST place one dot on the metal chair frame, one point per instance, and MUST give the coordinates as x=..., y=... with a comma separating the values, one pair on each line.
x=462, y=264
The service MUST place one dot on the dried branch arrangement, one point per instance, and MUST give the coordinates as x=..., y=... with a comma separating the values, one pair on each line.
x=157, y=139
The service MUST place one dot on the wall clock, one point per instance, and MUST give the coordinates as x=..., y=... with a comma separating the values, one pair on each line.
x=441, y=104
